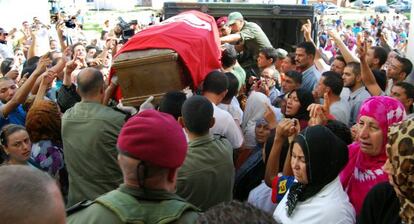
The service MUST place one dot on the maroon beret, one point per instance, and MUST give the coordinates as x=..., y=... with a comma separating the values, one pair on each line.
x=154, y=137
x=221, y=21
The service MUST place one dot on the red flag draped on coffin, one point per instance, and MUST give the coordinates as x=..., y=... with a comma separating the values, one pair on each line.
x=192, y=34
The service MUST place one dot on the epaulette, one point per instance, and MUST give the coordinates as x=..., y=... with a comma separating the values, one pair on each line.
x=78, y=206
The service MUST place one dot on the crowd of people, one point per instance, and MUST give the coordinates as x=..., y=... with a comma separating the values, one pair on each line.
x=322, y=133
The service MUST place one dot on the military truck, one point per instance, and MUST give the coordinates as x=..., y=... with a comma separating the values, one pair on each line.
x=281, y=23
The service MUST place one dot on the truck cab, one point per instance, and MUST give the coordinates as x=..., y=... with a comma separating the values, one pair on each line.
x=281, y=23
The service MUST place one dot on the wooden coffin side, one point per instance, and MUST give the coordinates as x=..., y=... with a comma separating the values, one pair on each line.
x=145, y=73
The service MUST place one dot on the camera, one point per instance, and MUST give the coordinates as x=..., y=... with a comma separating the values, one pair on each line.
x=126, y=31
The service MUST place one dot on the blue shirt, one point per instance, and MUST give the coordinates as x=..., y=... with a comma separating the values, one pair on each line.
x=310, y=78
x=17, y=116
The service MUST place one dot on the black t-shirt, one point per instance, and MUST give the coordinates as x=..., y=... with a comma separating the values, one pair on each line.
x=381, y=205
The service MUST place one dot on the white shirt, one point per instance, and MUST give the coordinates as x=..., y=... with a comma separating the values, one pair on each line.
x=226, y=126
x=330, y=205
x=6, y=51
x=234, y=109
x=261, y=197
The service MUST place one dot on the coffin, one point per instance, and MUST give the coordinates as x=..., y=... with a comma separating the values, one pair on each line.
x=153, y=72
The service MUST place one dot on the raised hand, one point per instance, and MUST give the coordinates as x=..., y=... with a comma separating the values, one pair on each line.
x=43, y=63
x=287, y=128
x=269, y=116
x=307, y=30
x=334, y=34
x=47, y=78
x=362, y=50
x=319, y=113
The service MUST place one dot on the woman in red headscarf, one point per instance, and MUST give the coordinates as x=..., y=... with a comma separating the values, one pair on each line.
x=367, y=155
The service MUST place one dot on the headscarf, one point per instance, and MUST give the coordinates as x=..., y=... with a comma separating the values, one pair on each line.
x=305, y=99
x=325, y=156
x=255, y=108
x=363, y=171
x=402, y=161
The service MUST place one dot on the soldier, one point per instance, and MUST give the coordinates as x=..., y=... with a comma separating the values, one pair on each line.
x=251, y=37
x=152, y=147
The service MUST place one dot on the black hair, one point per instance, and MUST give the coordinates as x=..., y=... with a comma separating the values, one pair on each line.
x=381, y=54
x=381, y=78
x=355, y=66
x=305, y=98
x=269, y=53
x=334, y=81
x=296, y=76
x=341, y=58
x=409, y=91
x=407, y=66
x=215, y=82
x=30, y=65
x=8, y=130
x=308, y=46
x=228, y=56
x=197, y=112
x=6, y=65
x=103, y=32
x=340, y=130
x=172, y=102
x=90, y=84
x=408, y=87
x=235, y=212
x=89, y=47
x=291, y=56
x=233, y=86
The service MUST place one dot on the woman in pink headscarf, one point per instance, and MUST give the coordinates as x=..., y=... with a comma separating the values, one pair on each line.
x=367, y=154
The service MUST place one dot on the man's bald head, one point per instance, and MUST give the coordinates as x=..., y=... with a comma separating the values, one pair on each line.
x=90, y=82
x=27, y=194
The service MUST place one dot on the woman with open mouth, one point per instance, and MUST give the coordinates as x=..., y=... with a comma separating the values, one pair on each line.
x=367, y=154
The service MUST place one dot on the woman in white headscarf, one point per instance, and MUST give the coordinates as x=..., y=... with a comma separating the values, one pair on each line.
x=254, y=111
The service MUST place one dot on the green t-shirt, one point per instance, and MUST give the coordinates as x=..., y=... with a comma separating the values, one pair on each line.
x=253, y=38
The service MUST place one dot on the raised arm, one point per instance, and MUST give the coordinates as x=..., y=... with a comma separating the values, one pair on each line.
x=272, y=167
x=346, y=53
x=230, y=38
x=367, y=76
x=24, y=90
x=32, y=49
x=46, y=80
x=319, y=62
x=59, y=29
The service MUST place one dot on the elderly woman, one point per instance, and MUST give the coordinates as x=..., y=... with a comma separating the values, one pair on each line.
x=16, y=145
x=367, y=154
x=393, y=201
x=43, y=124
x=318, y=157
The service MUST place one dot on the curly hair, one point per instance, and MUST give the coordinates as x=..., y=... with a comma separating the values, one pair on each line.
x=43, y=122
